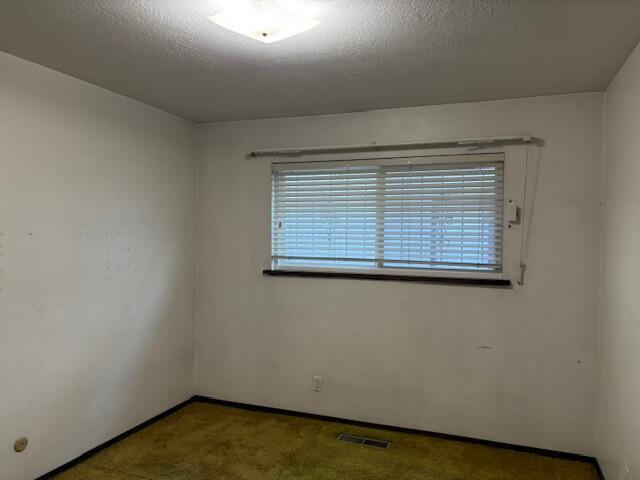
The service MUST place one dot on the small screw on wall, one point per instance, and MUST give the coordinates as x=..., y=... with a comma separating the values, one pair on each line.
x=21, y=444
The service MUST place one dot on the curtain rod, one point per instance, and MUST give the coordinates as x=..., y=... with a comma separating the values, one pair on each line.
x=464, y=142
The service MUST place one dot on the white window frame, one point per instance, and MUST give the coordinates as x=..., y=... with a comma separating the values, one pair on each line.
x=515, y=165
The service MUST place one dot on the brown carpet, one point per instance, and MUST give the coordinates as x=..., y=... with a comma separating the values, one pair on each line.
x=203, y=441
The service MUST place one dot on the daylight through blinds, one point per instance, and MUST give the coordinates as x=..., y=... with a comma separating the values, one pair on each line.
x=444, y=216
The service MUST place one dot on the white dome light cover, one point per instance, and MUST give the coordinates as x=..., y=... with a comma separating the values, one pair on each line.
x=267, y=21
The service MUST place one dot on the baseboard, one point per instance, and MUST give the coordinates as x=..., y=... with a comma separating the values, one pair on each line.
x=599, y=469
x=446, y=436
x=115, y=439
x=246, y=406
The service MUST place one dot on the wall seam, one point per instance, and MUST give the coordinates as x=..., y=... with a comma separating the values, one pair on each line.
x=601, y=283
x=196, y=257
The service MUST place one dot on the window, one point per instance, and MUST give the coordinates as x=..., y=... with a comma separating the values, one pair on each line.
x=389, y=217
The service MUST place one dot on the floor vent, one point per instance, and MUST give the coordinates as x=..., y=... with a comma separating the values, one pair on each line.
x=344, y=437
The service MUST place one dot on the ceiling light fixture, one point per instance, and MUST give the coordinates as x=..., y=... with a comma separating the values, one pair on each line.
x=267, y=21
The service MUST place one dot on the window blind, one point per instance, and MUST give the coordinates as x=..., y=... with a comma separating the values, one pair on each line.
x=444, y=216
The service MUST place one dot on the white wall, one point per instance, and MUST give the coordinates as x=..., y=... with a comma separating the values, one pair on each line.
x=618, y=424
x=96, y=265
x=97, y=280
x=407, y=354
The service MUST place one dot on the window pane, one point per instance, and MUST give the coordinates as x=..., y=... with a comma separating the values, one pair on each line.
x=429, y=216
x=325, y=217
x=443, y=216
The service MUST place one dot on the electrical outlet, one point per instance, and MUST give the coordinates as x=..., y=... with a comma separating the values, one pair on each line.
x=317, y=384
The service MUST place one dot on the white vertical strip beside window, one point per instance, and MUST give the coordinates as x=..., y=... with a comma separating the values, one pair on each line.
x=377, y=216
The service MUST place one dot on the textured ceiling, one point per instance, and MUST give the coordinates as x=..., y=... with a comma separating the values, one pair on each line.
x=367, y=54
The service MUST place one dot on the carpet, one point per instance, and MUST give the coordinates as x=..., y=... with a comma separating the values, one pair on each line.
x=205, y=441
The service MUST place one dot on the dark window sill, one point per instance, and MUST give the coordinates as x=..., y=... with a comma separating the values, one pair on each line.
x=477, y=282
